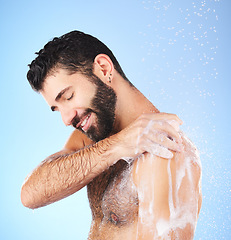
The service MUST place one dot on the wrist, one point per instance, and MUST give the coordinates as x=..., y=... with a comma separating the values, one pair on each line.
x=113, y=149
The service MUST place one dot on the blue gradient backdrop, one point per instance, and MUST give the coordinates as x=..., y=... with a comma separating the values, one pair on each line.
x=176, y=52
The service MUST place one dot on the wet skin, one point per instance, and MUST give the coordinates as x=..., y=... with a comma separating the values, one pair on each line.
x=114, y=204
x=113, y=195
x=114, y=199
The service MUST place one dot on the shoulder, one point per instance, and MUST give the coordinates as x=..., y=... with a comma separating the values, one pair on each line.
x=179, y=176
x=76, y=141
x=152, y=166
x=169, y=190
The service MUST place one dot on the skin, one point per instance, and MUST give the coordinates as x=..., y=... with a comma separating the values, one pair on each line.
x=114, y=186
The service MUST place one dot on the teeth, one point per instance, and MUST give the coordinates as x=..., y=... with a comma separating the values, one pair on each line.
x=85, y=121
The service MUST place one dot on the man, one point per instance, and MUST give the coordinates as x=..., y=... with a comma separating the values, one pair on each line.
x=142, y=174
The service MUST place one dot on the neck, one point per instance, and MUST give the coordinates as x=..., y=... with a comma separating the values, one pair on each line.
x=131, y=103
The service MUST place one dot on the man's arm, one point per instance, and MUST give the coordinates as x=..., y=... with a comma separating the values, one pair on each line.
x=169, y=194
x=67, y=171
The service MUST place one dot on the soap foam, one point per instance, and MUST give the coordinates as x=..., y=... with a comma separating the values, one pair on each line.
x=183, y=209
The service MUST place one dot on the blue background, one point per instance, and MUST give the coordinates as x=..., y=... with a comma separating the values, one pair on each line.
x=176, y=52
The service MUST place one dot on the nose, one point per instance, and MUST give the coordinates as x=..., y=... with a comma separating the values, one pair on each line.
x=67, y=116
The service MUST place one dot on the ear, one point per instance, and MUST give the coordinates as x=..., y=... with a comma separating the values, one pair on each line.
x=103, y=68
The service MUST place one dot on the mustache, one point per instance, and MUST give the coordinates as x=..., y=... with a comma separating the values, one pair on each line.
x=75, y=121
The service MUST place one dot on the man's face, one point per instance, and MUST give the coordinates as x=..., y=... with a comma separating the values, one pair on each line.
x=84, y=102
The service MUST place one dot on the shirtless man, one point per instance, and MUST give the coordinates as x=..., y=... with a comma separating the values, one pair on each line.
x=142, y=174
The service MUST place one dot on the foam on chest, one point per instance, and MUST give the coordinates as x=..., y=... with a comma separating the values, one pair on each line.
x=113, y=197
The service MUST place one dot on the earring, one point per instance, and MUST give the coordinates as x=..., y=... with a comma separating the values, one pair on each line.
x=109, y=78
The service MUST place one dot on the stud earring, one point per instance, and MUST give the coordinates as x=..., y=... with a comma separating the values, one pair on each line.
x=109, y=78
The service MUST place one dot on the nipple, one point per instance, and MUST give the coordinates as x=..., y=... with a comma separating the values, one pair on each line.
x=114, y=218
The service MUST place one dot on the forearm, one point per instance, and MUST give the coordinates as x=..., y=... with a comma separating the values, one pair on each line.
x=59, y=176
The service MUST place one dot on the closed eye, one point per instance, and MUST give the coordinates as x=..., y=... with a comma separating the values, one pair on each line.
x=70, y=97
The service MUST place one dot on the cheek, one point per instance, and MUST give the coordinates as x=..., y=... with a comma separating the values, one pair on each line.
x=83, y=100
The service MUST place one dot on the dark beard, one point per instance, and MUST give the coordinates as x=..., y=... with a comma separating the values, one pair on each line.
x=103, y=105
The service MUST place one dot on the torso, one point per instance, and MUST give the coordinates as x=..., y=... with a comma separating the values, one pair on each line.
x=114, y=204
x=112, y=197
x=114, y=200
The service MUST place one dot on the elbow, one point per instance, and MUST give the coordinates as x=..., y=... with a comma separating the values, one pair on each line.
x=26, y=197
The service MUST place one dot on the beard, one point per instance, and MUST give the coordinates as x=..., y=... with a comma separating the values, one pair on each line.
x=103, y=106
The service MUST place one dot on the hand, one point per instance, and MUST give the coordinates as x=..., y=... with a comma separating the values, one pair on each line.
x=156, y=133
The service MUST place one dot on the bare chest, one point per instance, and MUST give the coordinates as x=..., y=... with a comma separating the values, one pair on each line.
x=112, y=196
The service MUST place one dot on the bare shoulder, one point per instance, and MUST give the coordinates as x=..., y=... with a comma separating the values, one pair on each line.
x=185, y=164
x=76, y=141
x=169, y=193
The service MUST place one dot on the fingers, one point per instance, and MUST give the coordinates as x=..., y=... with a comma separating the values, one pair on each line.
x=160, y=136
x=164, y=140
x=158, y=144
x=160, y=151
x=174, y=124
x=160, y=130
x=157, y=134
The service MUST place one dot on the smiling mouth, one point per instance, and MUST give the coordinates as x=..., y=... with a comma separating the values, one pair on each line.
x=84, y=124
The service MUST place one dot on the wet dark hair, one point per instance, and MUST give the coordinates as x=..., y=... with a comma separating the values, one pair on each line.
x=74, y=51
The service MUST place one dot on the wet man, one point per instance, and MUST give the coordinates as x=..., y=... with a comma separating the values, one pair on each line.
x=142, y=174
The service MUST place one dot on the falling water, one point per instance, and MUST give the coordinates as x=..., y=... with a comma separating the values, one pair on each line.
x=181, y=45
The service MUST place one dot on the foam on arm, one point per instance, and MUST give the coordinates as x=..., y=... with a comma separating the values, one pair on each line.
x=169, y=194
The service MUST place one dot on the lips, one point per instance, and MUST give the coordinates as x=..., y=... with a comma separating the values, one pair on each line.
x=84, y=124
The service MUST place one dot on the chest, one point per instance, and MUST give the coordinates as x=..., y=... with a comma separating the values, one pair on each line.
x=112, y=196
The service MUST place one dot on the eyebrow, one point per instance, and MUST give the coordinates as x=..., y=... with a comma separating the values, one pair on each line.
x=60, y=94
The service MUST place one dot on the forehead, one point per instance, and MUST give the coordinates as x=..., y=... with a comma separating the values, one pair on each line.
x=55, y=80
